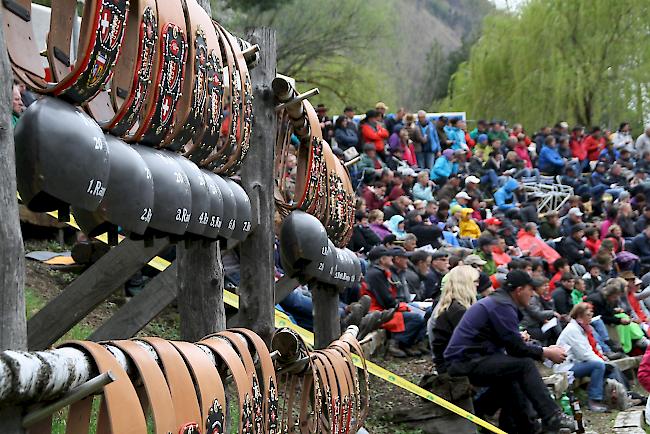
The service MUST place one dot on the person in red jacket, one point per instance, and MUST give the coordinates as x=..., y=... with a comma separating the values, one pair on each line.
x=577, y=146
x=374, y=132
x=594, y=143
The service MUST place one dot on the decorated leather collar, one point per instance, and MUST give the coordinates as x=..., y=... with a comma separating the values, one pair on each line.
x=100, y=40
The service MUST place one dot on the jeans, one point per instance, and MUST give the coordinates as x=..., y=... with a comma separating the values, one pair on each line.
x=596, y=372
x=527, y=173
x=492, y=179
x=514, y=383
x=601, y=335
x=597, y=191
x=425, y=159
x=414, y=328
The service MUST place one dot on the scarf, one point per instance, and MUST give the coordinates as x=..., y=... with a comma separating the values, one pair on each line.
x=590, y=337
x=634, y=304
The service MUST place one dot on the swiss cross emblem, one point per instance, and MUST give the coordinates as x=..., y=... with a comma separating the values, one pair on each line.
x=173, y=47
x=166, y=109
x=105, y=24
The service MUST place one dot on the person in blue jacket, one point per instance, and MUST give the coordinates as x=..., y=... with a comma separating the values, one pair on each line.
x=550, y=160
x=456, y=134
x=444, y=167
x=505, y=196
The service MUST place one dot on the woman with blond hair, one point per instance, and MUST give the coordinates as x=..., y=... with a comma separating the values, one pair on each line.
x=458, y=294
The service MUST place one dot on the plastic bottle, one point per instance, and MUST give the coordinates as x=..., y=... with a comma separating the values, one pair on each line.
x=565, y=403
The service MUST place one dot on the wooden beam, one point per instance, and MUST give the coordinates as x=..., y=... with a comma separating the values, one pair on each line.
x=141, y=309
x=257, y=264
x=88, y=290
x=327, y=322
x=282, y=287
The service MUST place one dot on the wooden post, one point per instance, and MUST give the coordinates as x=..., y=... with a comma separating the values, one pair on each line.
x=257, y=265
x=13, y=323
x=88, y=290
x=327, y=324
x=200, y=281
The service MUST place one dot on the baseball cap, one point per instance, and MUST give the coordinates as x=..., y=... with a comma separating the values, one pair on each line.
x=463, y=195
x=515, y=279
x=576, y=211
x=378, y=252
x=578, y=227
x=406, y=171
x=474, y=260
x=482, y=138
x=493, y=221
x=486, y=240
x=472, y=180
x=399, y=251
x=484, y=282
x=439, y=254
x=381, y=106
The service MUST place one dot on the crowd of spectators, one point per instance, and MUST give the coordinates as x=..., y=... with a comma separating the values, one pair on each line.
x=473, y=274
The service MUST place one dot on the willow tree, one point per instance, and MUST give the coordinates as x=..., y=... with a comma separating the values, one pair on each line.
x=585, y=62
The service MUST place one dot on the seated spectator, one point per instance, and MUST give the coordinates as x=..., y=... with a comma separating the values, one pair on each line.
x=459, y=295
x=530, y=243
x=370, y=165
x=443, y=167
x=449, y=191
x=363, y=237
x=562, y=294
x=376, y=224
x=420, y=262
x=539, y=312
x=573, y=217
x=592, y=240
x=585, y=357
x=640, y=246
x=374, y=195
x=468, y=226
x=550, y=161
x=407, y=328
x=17, y=106
x=549, y=229
x=396, y=225
x=504, y=197
x=486, y=244
x=346, y=137
x=423, y=189
x=488, y=348
x=573, y=248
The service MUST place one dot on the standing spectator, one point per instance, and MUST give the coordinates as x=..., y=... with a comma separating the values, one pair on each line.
x=642, y=144
x=372, y=131
x=498, y=132
x=622, y=139
x=577, y=147
x=445, y=143
x=326, y=124
x=395, y=120
x=594, y=143
x=455, y=134
x=381, y=109
x=429, y=147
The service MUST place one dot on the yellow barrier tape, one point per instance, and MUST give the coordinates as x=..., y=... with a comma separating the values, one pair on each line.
x=282, y=320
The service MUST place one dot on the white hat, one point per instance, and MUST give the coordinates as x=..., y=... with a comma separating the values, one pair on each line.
x=463, y=195
x=564, y=124
x=407, y=171
x=472, y=179
x=576, y=211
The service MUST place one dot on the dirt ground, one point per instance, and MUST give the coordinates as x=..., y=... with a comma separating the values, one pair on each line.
x=44, y=283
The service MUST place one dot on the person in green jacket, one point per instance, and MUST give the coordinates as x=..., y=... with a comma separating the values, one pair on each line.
x=498, y=132
x=486, y=244
x=17, y=106
x=369, y=161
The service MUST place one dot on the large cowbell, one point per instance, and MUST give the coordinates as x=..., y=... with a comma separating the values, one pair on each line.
x=200, y=197
x=244, y=212
x=303, y=243
x=229, y=217
x=216, y=206
x=129, y=199
x=61, y=157
x=172, y=206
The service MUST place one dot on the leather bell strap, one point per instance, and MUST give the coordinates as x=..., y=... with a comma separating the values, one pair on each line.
x=118, y=110
x=338, y=202
x=242, y=107
x=120, y=411
x=179, y=380
x=364, y=393
x=347, y=388
x=239, y=343
x=312, y=394
x=190, y=111
x=311, y=175
x=100, y=40
x=355, y=410
x=269, y=381
x=227, y=142
x=343, y=381
x=158, y=116
x=330, y=393
x=242, y=382
x=157, y=392
x=208, y=383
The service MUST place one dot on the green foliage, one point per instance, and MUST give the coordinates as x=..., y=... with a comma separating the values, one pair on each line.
x=582, y=62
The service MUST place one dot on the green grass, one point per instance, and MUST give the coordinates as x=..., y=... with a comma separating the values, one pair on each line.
x=34, y=302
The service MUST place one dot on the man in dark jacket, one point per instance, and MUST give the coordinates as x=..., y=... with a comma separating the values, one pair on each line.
x=640, y=245
x=605, y=303
x=488, y=348
x=398, y=206
x=573, y=248
x=562, y=294
x=573, y=217
x=433, y=281
x=643, y=221
x=363, y=237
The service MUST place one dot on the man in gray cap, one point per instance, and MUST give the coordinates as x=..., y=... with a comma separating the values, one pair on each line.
x=408, y=328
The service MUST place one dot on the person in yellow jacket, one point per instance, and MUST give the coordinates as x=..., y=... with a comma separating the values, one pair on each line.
x=468, y=226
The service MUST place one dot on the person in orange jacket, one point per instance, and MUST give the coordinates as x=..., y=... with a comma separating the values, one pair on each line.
x=374, y=132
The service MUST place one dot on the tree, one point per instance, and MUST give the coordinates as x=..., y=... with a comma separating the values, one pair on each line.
x=581, y=62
